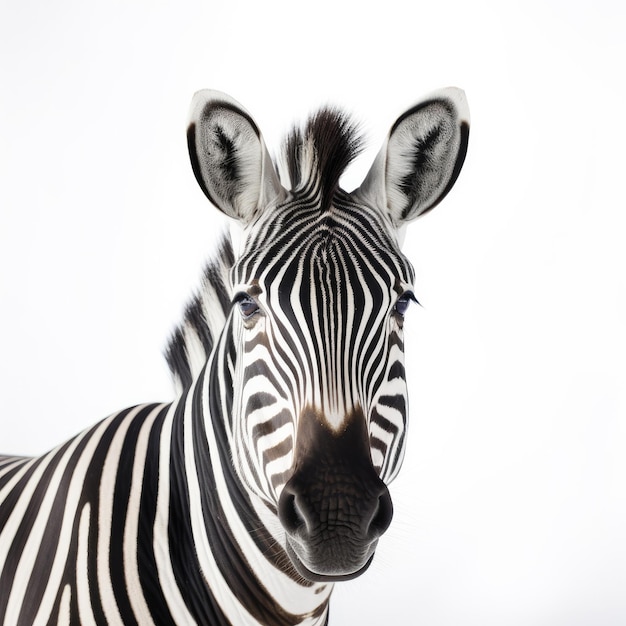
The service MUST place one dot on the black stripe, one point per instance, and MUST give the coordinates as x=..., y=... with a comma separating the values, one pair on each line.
x=119, y=515
x=146, y=561
x=192, y=586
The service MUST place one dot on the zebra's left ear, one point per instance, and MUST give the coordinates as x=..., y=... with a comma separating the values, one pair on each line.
x=229, y=157
x=422, y=157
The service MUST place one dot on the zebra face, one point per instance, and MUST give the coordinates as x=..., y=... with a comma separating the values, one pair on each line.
x=323, y=398
x=320, y=291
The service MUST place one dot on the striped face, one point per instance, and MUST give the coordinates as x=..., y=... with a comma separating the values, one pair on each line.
x=320, y=313
x=320, y=359
x=320, y=291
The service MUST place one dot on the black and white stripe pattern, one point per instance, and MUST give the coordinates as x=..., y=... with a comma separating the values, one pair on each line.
x=242, y=501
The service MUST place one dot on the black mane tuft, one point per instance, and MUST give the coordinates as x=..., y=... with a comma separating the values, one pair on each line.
x=318, y=154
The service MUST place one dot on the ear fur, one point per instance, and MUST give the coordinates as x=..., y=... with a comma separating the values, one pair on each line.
x=229, y=157
x=421, y=158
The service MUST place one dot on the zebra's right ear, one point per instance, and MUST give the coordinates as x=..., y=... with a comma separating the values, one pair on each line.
x=229, y=157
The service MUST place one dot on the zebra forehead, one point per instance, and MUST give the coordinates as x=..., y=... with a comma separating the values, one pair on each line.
x=300, y=230
x=328, y=250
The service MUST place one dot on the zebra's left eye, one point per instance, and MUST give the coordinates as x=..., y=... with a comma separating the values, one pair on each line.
x=247, y=306
x=402, y=304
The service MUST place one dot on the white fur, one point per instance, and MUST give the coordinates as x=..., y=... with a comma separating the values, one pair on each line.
x=214, y=112
x=382, y=186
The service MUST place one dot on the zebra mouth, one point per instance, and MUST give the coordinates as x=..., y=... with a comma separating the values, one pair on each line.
x=309, y=574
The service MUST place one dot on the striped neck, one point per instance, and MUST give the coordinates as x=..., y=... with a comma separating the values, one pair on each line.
x=226, y=545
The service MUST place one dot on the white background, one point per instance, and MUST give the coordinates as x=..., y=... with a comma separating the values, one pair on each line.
x=511, y=507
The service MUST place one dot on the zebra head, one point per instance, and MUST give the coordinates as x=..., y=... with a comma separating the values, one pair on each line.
x=320, y=289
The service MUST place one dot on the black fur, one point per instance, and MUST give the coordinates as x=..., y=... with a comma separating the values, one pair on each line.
x=336, y=142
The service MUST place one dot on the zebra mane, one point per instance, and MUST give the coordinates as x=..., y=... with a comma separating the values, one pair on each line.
x=316, y=156
x=192, y=341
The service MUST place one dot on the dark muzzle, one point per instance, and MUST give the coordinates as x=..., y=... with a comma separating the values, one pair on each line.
x=334, y=507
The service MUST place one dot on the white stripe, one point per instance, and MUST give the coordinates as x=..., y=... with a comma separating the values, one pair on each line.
x=83, y=595
x=64, y=607
x=131, y=568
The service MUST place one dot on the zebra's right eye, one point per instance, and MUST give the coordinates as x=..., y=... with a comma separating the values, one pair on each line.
x=247, y=306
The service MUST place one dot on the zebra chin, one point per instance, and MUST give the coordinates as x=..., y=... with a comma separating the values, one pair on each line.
x=332, y=564
x=334, y=507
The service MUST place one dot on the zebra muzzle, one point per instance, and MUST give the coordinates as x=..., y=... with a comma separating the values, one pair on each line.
x=334, y=507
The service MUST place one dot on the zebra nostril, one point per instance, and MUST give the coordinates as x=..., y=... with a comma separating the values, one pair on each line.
x=289, y=512
x=382, y=514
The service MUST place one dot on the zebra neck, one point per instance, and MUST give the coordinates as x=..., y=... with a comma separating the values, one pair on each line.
x=228, y=567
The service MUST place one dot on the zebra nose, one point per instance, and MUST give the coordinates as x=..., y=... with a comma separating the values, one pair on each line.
x=383, y=513
x=290, y=512
x=367, y=514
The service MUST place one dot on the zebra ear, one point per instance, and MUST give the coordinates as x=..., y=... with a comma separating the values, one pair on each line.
x=422, y=157
x=229, y=157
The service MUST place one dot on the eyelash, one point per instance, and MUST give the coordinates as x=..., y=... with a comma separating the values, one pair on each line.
x=402, y=303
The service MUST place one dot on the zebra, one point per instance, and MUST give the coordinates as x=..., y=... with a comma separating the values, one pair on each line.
x=266, y=480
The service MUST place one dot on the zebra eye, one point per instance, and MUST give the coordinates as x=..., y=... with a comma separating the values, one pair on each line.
x=402, y=304
x=247, y=306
